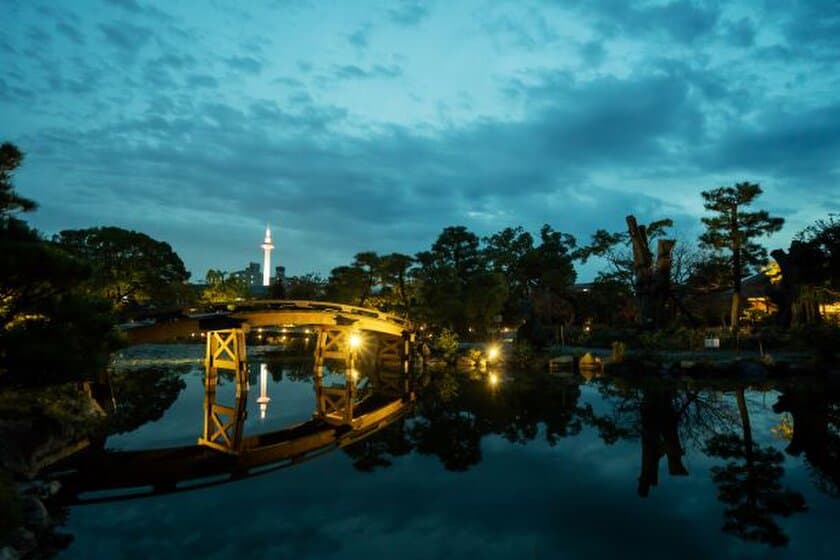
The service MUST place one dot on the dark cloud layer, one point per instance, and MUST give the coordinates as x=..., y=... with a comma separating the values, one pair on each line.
x=327, y=123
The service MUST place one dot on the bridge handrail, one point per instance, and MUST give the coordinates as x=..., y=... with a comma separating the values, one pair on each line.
x=272, y=304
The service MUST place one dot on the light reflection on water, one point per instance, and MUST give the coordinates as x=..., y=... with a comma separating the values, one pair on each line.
x=526, y=465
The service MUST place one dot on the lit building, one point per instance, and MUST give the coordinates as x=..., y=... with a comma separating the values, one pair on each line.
x=251, y=275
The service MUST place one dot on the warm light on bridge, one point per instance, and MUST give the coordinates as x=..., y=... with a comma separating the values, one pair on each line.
x=355, y=341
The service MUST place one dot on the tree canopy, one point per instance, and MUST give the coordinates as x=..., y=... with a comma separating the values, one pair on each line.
x=10, y=201
x=129, y=268
x=50, y=329
x=731, y=232
x=221, y=287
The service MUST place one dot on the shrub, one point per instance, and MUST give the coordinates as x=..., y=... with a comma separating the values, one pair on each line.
x=522, y=354
x=446, y=345
x=619, y=349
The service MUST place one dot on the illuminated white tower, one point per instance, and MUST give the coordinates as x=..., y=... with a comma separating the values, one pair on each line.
x=267, y=246
x=263, y=399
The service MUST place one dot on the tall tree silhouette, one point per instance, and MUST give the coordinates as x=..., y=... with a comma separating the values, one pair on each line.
x=731, y=228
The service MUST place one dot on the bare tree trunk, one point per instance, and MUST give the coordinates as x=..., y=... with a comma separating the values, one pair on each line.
x=652, y=280
x=662, y=279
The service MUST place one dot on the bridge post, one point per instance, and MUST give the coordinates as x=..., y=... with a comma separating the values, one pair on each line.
x=223, y=425
x=390, y=376
x=407, y=364
x=335, y=404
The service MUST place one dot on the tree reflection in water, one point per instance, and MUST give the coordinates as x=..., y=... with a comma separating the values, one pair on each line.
x=750, y=486
x=142, y=396
x=663, y=414
x=456, y=411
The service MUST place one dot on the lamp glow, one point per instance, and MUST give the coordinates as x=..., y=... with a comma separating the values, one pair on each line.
x=355, y=341
x=492, y=353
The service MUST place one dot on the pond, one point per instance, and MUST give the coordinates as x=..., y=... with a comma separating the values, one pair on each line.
x=487, y=465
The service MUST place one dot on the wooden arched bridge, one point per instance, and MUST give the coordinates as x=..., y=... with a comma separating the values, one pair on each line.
x=355, y=342
x=262, y=313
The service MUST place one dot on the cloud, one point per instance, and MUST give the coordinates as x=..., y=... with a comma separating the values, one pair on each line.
x=408, y=12
x=812, y=27
x=71, y=32
x=286, y=81
x=801, y=145
x=593, y=53
x=126, y=36
x=527, y=30
x=740, y=33
x=572, y=114
x=385, y=186
x=351, y=72
x=202, y=80
x=245, y=64
x=127, y=5
x=38, y=36
x=11, y=93
x=136, y=9
x=683, y=21
x=359, y=38
x=175, y=61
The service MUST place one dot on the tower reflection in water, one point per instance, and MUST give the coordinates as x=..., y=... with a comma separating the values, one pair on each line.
x=263, y=399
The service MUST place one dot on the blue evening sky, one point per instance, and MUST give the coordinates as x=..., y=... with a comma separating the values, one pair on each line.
x=352, y=126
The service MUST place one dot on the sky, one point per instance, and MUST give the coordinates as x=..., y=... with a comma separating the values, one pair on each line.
x=355, y=126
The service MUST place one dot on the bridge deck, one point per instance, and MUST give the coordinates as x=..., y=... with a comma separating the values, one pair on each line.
x=273, y=312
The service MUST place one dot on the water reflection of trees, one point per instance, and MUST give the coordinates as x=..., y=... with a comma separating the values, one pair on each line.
x=665, y=415
x=142, y=396
x=455, y=412
x=750, y=483
x=378, y=451
x=297, y=369
x=815, y=408
x=750, y=486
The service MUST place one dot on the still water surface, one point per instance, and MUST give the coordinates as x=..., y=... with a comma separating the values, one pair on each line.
x=536, y=466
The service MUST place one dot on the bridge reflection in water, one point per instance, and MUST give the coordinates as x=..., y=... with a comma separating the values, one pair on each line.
x=377, y=389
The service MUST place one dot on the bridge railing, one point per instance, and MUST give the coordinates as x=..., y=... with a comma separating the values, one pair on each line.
x=288, y=304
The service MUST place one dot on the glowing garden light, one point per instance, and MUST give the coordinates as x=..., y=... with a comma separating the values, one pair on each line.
x=493, y=353
x=355, y=341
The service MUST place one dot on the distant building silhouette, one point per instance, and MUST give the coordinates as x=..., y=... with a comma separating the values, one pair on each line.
x=251, y=275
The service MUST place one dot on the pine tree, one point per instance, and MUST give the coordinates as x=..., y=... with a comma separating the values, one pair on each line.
x=733, y=229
